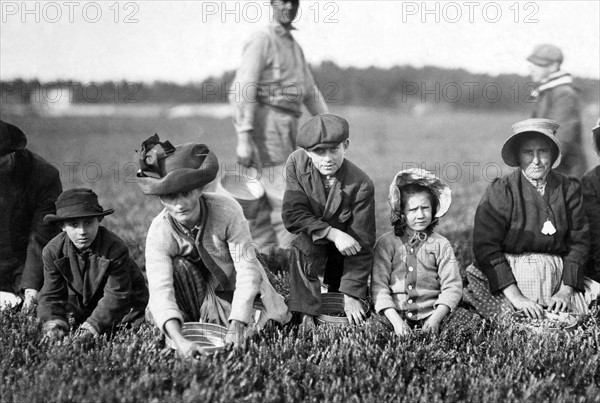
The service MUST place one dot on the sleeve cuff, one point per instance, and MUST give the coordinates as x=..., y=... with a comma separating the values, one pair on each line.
x=90, y=328
x=320, y=234
x=450, y=301
x=356, y=289
x=384, y=303
x=55, y=324
x=573, y=275
x=500, y=276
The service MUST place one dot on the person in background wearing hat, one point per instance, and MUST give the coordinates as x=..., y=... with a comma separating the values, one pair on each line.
x=269, y=89
x=530, y=236
x=200, y=259
x=88, y=272
x=591, y=202
x=556, y=98
x=329, y=204
x=30, y=186
x=416, y=279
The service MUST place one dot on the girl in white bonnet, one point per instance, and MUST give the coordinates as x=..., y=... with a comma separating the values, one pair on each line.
x=416, y=280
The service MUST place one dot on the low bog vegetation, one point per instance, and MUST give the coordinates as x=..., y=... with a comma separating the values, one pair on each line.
x=478, y=361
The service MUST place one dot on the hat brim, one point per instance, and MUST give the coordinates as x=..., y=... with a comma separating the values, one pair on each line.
x=596, y=138
x=181, y=180
x=539, y=62
x=324, y=145
x=424, y=178
x=53, y=218
x=510, y=154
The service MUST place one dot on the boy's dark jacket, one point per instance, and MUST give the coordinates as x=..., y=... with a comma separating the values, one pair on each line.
x=350, y=207
x=591, y=203
x=36, y=186
x=112, y=289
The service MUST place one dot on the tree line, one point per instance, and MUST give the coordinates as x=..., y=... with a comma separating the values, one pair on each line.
x=402, y=87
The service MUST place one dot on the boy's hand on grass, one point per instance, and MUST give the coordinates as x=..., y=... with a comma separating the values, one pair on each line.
x=53, y=331
x=31, y=297
x=346, y=244
x=53, y=335
x=561, y=301
x=354, y=310
x=188, y=349
x=185, y=349
x=235, y=333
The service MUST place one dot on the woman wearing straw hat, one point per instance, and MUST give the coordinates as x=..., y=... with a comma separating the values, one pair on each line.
x=200, y=260
x=591, y=202
x=530, y=234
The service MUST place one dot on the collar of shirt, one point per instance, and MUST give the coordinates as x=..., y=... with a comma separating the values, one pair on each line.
x=555, y=79
x=282, y=30
x=539, y=184
x=191, y=232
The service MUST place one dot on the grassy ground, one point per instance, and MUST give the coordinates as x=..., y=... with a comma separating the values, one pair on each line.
x=478, y=362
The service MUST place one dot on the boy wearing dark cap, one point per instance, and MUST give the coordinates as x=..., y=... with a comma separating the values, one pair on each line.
x=556, y=98
x=87, y=272
x=329, y=205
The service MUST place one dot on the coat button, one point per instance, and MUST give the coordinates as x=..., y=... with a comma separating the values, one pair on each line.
x=410, y=287
x=410, y=314
x=410, y=301
x=411, y=269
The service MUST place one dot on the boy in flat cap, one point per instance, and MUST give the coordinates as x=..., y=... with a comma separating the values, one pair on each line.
x=87, y=272
x=270, y=88
x=329, y=205
x=30, y=186
x=556, y=98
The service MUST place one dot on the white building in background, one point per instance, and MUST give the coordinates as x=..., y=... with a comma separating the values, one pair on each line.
x=52, y=100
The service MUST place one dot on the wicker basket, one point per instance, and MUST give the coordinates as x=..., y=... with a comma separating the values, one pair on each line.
x=332, y=304
x=210, y=337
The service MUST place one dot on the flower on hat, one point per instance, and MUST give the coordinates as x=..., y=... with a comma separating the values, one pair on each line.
x=165, y=169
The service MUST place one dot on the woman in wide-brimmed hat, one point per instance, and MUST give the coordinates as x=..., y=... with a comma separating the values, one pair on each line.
x=591, y=202
x=200, y=259
x=530, y=236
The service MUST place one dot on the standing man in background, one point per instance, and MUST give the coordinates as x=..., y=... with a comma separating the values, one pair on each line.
x=30, y=186
x=270, y=87
x=556, y=98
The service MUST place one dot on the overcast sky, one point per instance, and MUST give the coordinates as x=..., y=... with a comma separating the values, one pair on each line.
x=186, y=41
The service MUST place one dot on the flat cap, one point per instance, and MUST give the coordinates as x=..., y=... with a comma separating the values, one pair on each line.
x=326, y=129
x=546, y=54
